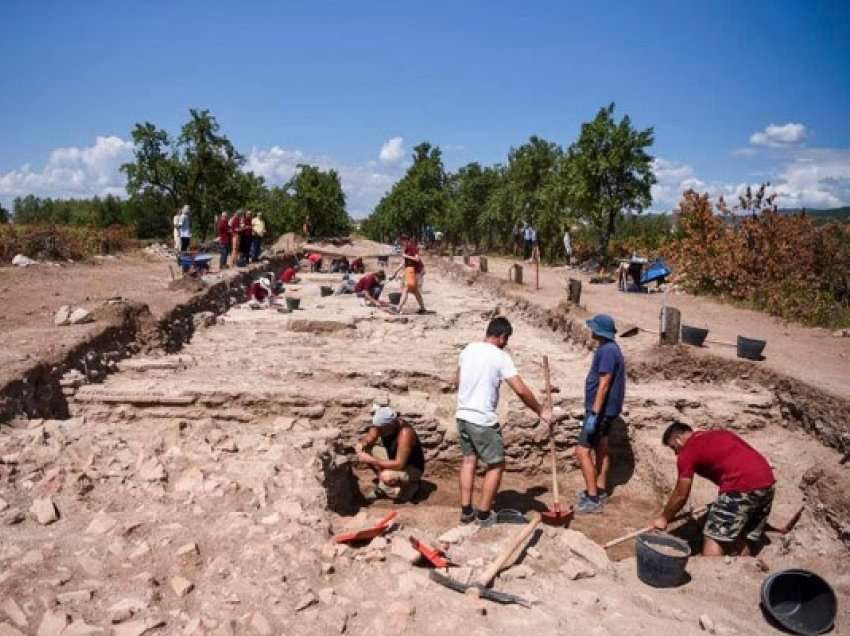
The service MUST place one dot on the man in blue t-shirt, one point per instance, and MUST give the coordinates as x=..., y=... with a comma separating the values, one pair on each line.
x=604, y=391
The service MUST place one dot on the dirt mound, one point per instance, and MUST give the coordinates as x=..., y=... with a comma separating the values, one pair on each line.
x=288, y=243
x=826, y=492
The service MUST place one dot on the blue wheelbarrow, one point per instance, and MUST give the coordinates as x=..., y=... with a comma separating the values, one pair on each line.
x=194, y=264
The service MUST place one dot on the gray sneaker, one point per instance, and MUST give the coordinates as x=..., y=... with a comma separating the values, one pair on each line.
x=602, y=494
x=465, y=519
x=587, y=506
x=488, y=521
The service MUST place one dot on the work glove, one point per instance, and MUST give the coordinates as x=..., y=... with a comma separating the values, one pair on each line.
x=591, y=421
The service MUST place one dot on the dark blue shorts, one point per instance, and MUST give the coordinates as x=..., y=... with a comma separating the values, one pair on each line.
x=603, y=427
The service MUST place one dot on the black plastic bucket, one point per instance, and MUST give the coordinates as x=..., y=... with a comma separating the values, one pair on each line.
x=657, y=569
x=324, y=290
x=292, y=303
x=693, y=335
x=750, y=349
x=800, y=601
x=395, y=298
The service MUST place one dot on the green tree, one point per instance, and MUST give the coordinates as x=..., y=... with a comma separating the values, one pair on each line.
x=607, y=172
x=4, y=215
x=318, y=194
x=467, y=192
x=416, y=200
x=200, y=168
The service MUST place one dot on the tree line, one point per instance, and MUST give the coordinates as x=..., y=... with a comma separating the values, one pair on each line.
x=200, y=168
x=604, y=176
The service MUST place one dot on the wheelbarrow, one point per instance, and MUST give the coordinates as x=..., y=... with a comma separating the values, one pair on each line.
x=194, y=264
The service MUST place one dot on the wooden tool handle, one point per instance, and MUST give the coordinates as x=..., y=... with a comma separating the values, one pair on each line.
x=632, y=535
x=548, y=382
x=555, y=494
x=490, y=573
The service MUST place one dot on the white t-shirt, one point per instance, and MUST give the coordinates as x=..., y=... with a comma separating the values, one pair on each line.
x=483, y=366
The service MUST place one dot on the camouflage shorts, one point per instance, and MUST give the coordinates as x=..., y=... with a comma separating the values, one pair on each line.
x=737, y=514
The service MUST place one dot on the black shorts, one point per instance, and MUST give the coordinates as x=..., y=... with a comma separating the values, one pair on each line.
x=603, y=427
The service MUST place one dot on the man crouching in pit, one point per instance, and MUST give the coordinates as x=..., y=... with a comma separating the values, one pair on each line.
x=391, y=448
x=737, y=520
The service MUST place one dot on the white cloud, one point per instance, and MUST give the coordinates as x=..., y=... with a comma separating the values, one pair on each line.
x=672, y=179
x=392, y=151
x=780, y=136
x=816, y=178
x=364, y=184
x=812, y=178
x=73, y=172
x=95, y=170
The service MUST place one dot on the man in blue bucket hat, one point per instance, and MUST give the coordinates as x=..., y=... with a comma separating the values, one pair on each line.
x=604, y=392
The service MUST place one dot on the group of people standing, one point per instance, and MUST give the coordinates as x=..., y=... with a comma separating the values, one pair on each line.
x=240, y=238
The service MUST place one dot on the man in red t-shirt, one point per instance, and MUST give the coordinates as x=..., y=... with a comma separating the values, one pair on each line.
x=738, y=518
x=225, y=238
x=369, y=287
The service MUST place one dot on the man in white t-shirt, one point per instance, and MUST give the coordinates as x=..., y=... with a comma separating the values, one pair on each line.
x=481, y=368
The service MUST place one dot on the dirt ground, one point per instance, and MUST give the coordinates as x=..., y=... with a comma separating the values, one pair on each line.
x=198, y=492
x=30, y=297
x=808, y=354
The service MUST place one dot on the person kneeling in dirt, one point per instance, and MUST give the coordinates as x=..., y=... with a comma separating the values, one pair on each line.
x=391, y=448
x=481, y=368
x=370, y=286
x=260, y=293
x=604, y=393
x=738, y=518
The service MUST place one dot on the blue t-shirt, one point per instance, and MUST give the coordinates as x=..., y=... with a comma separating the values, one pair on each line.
x=607, y=359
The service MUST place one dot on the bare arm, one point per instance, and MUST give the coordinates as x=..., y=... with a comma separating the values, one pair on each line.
x=406, y=440
x=456, y=379
x=678, y=499
x=527, y=396
x=602, y=392
x=368, y=440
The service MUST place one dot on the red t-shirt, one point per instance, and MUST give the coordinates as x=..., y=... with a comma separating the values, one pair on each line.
x=258, y=292
x=287, y=275
x=366, y=283
x=725, y=459
x=314, y=258
x=224, y=236
x=411, y=250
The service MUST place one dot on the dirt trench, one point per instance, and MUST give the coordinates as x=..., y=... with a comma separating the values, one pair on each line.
x=128, y=329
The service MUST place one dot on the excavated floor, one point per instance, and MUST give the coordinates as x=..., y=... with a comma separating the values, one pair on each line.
x=227, y=467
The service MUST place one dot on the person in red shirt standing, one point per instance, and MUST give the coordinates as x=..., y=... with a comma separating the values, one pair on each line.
x=414, y=271
x=235, y=233
x=738, y=518
x=225, y=238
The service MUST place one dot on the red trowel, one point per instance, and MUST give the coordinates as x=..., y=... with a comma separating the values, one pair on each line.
x=369, y=533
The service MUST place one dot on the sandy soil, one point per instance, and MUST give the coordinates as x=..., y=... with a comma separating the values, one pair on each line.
x=29, y=298
x=197, y=492
x=808, y=354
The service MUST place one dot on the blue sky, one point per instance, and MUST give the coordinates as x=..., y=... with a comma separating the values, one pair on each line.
x=737, y=92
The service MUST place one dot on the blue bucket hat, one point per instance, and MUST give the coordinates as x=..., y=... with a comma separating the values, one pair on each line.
x=603, y=326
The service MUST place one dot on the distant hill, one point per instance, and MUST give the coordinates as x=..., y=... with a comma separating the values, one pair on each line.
x=838, y=215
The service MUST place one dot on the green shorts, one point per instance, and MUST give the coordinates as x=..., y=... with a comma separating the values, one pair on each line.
x=485, y=442
x=737, y=514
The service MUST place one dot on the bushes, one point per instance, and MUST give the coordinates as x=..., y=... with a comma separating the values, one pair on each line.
x=781, y=264
x=52, y=242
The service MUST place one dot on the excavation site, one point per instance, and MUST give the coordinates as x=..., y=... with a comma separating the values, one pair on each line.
x=199, y=488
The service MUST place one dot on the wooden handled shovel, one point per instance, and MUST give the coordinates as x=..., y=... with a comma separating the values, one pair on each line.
x=480, y=588
x=556, y=515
